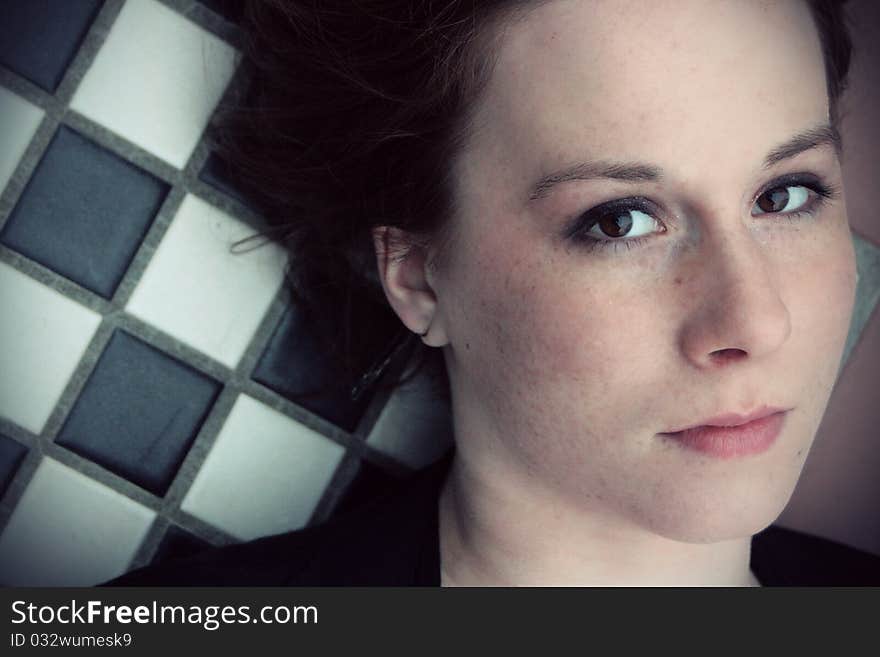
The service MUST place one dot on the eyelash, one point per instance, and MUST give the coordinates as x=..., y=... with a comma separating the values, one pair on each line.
x=823, y=190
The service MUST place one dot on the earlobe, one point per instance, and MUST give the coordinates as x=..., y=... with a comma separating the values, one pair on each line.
x=402, y=270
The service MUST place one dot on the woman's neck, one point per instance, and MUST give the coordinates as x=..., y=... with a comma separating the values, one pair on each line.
x=492, y=534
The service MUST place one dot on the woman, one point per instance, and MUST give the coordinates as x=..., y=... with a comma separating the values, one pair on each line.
x=615, y=220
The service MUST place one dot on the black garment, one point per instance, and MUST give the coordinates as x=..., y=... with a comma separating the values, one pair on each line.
x=394, y=541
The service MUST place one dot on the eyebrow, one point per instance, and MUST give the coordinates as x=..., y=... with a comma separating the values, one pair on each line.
x=823, y=134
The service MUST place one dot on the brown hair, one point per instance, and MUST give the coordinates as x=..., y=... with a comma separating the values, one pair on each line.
x=354, y=112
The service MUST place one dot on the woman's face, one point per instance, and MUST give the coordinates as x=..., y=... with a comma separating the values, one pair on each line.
x=566, y=361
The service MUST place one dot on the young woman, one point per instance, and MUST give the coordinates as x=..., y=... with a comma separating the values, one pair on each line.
x=622, y=226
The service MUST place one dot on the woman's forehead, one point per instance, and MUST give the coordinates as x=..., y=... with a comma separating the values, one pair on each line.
x=636, y=42
x=669, y=77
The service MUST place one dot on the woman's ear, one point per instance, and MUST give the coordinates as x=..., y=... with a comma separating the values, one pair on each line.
x=403, y=272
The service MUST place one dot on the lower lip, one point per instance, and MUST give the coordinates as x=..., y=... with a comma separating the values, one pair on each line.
x=729, y=442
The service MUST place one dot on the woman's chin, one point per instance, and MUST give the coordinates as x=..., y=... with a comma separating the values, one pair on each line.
x=717, y=519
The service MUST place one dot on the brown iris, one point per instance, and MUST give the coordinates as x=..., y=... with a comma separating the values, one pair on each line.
x=616, y=224
x=773, y=200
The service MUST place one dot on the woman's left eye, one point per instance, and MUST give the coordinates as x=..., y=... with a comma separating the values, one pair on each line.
x=616, y=224
x=783, y=199
x=794, y=195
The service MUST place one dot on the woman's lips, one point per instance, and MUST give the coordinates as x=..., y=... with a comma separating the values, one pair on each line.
x=728, y=442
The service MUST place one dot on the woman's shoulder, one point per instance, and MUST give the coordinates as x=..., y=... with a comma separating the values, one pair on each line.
x=386, y=541
x=789, y=557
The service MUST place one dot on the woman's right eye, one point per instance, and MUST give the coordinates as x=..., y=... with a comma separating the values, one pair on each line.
x=625, y=222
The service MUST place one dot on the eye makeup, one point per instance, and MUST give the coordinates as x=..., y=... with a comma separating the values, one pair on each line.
x=609, y=215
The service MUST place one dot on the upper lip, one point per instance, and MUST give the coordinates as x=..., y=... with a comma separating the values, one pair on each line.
x=732, y=419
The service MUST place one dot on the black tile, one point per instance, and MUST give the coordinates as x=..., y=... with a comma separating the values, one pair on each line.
x=178, y=543
x=215, y=172
x=39, y=38
x=12, y=454
x=84, y=212
x=292, y=366
x=139, y=412
x=231, y=10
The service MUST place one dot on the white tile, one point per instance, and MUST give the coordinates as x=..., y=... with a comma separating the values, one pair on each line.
x=19, y=121
x=156, y=80
x=415, y=427
x=43, y=336
x=197, y=291
x=264, y=475
x=69, y=530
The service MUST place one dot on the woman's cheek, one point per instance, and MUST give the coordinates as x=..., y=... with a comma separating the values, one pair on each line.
x=564, y=329
x=548, y=317
x=827, y=295
x=822, y=277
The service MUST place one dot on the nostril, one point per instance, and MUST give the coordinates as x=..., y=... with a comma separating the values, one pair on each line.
x=724, y=355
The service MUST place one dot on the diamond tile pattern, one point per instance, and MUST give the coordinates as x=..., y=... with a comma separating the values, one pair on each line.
x=292, y=366
x=414, y=426
x=199, y=289
x=156, y=80
x=69, y=530
x=264, y=475
x=43, y=336
x=84, y=212
x=139, y=413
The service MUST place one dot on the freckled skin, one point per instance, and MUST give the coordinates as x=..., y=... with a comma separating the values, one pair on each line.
x=565, y=364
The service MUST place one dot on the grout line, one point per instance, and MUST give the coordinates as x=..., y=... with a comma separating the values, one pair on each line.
x=207, y=19
x=150, y=544
x=88, y=49
x=342, y=478
x=204, y=530
x=19, y=484
x=199, y=449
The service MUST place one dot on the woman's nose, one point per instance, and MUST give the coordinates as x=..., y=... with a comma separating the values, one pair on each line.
x=737, y=311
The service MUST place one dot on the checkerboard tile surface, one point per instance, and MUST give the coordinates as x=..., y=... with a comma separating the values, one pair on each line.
x=149, y=371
